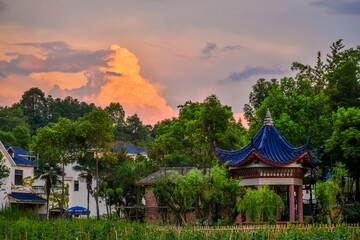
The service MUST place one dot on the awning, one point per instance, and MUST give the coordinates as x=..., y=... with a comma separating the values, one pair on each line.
x=28, y=198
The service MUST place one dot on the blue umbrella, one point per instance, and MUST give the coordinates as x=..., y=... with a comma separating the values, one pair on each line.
x=77, y=210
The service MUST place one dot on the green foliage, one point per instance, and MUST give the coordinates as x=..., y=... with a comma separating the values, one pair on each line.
x=11, y=117
x=50, y=173
x=34, y=105
x=68, y=107
x=329, y=194
x=209, y=191
x=7, y=138
x=105, y=229
x=11, y=213
x=4, y=170
x=260, y=205
x=345, y=140
x=189, y=139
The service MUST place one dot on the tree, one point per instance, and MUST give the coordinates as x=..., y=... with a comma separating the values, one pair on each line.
x=96, y=132
x=189, y=139
x=135, y=132
x=86, y=168
x=330, y=194
x=34, y=106
x=212, y=194
x=344, y=143
x=67, y=108
x=4, y=170
x=260, y=205
x=116, y=113
x=58, y=144
x=11, y=117
x=22, y=136
x=49, y=172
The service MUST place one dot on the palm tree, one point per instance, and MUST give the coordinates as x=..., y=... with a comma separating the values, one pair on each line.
x=49, y=172
x=86, y=169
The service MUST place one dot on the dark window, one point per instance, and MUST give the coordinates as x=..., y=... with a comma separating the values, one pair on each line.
x=76, y=185
x=18, y=177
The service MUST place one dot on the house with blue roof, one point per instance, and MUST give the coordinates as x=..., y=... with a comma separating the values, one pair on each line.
x=13, y=189
x=269, y=159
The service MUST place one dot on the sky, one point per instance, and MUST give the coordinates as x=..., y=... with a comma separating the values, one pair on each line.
x=153, y=55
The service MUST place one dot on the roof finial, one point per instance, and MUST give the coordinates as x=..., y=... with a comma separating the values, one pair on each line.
x=268, y=120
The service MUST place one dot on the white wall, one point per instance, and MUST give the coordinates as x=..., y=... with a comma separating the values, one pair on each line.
x=79, y=198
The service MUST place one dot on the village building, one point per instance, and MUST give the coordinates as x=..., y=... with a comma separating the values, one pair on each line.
x=21, y=189
x=269, y=159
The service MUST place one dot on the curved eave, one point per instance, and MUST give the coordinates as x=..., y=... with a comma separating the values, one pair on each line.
x=266, y=161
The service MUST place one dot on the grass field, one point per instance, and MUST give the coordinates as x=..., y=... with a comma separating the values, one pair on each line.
x=25, y=228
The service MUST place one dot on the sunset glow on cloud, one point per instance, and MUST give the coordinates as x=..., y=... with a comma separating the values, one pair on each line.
x=100, y=77
x=124, y=84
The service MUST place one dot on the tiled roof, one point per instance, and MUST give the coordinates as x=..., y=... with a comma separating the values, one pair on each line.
x=19, y=151
x=23, y=161
x=162, y=172
x=268, y=145
x=129, y=149
x=18, y=156
x=26, y=197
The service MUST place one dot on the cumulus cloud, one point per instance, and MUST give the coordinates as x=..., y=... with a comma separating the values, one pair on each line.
x=251, y=71
x=212, y=47
x=101, y=77
x=47, y=46
x=59, y=58
x=340, y=6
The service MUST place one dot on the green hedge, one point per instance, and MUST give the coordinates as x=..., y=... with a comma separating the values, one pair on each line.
x=91, y=229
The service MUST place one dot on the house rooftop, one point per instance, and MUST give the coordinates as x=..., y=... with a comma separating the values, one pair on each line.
x=150, y=179
x=23, y=197
x=20, y=155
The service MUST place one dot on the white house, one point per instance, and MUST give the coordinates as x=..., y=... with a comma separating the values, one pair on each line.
x=13, y=191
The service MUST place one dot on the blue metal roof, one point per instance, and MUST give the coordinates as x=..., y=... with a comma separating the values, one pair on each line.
x=19, y=151
x=129, y=149
x=268, y=145
x=20, y=160
x=26, y=197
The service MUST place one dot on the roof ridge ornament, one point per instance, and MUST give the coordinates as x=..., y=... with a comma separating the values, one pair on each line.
x=268, y=120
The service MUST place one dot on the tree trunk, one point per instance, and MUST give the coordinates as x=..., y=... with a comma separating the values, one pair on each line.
x=97, y=187
x=88, y=202
x=47, y=206
x=62, y=188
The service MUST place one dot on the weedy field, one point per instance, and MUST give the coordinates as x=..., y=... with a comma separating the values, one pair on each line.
x=25, y=228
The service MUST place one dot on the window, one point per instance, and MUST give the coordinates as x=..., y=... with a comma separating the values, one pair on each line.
x=18, y=177
x=76, y=185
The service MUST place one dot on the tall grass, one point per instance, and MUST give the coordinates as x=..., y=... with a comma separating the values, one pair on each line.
x=25, y=228
x=14, y=213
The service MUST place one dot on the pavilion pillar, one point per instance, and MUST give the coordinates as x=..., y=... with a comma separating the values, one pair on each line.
x=300, y=203
x=259, y=187
x=291, y=203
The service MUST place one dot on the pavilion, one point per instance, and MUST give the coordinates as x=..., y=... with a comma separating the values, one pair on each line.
x=269, y=159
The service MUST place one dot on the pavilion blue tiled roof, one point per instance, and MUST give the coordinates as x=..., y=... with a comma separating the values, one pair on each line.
x=18, y=156
x=268, y=145
x=26, y=197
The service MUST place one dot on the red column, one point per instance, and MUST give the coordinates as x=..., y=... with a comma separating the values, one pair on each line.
x=291, y=203
x=300, y=203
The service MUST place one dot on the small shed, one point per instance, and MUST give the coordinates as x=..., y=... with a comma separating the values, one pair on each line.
x=154, y=212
